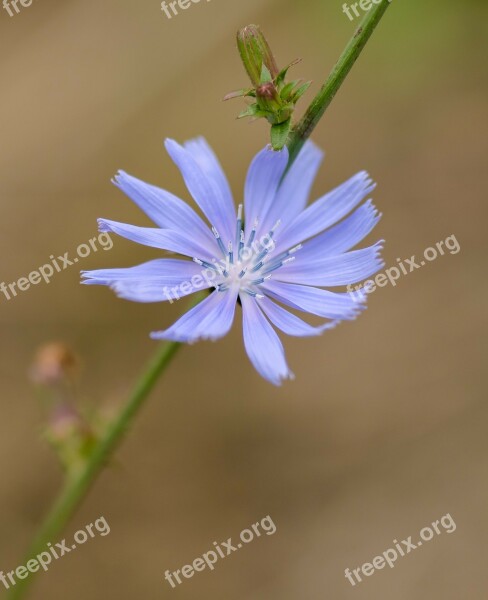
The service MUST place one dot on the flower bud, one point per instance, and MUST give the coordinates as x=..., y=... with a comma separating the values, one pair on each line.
x=275, y=98
x=255, y=52
x=269, y=101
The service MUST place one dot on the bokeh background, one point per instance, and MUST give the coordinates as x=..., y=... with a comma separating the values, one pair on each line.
x=384, y=429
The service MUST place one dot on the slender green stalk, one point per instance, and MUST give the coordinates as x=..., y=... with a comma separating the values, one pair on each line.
x=76, y=487
x=303, y=129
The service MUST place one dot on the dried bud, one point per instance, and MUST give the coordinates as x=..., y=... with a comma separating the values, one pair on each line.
x=54, y=363
x=268, y=93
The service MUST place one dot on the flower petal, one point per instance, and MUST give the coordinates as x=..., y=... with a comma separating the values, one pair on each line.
x=198, y=169
x=165, y=239
x=262, y=181
x=326, y=211
x=159, y=268
x=157, y=290
x=263, y=346
x=210, y=165
x=322, y=303
x=165, y=209
x=294, y=191
x=349, y=267
x=343, y=236
x=154, y=281
x=209, y=320
x=288, y=322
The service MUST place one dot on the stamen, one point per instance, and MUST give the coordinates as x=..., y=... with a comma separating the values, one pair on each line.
x=242, y=273
x=275, y=227
x=261, y=255
x=239, y=222
x=219, y=241
x=241, y=244
x=231, y=254
x=257, y=267
x=283, y=255
x=277, y=265
x=253, y=232
x=204, y=263
x=295, y=249
x=253, y=294
x=273, y=267
x=261, y=280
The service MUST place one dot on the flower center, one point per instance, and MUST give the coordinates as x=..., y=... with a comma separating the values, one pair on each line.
x=246, y=264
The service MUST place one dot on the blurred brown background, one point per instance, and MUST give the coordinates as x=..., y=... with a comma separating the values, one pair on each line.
x=384, y=429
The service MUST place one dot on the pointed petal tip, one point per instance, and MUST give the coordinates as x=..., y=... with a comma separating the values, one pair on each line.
x=282, y=378
x=103, y=226
x=328, y=326
x=198, y=139
x=170, y=143
x=162, y=335
x=119, y=177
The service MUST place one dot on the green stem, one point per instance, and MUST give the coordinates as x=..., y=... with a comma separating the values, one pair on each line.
x=77, y=486
x=303, y=129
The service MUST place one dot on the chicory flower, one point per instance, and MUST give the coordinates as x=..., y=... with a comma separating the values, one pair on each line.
x=273, y=251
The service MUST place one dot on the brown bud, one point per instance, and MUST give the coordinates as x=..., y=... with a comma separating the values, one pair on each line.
x=53, y=363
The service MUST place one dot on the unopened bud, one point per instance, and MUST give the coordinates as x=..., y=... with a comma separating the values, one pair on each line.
x=269, y=101
x=255, y=52
x=275, y=98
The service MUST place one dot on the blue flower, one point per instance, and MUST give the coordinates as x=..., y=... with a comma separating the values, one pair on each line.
x=283, y=253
